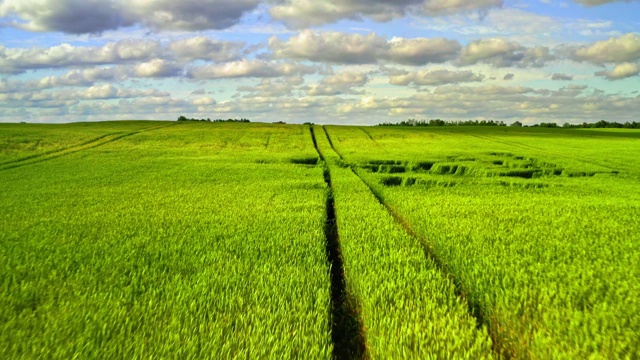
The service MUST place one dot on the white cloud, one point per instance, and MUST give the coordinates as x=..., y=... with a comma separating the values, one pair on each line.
x=72, y=78
x=157, y=68
x=431, y=77
x=204, y=101
x=18, y=60
x=621, y=71
x=204, y=48
x=440, y=7
x=561, y=77
x=151, y=57
x=422, y=51
x=333, y=47
x=107, y=91
x=267, y=88
x=305, y=13
x=68, y=98
x=343, y=48
x=572, y=103
x=614, y=50
x=503, y=53
x=249, y=68
x=353, y=78
x=341, y=83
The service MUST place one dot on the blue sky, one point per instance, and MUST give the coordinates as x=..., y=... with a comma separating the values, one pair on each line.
x=343, y=62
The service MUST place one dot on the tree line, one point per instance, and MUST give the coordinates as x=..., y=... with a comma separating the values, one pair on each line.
x=602, y=124
x=243, y=120
x=438, y=122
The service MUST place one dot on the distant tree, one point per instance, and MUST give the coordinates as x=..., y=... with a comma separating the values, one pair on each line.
x=584, y=125
x=184, y=118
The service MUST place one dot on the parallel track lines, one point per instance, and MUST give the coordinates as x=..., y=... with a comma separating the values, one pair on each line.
x=91, y=144
x=474, y=309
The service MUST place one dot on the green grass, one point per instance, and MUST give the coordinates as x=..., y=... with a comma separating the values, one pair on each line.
x=550, y=260
x=135, y=249
x=19, y=142
x=408, y=308
x=199, y=240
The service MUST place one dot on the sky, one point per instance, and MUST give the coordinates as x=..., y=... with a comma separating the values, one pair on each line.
x=322, y=61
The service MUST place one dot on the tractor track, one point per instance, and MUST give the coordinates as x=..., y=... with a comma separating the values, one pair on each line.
x=87, y=145
x=474, y=309
x=346, y=328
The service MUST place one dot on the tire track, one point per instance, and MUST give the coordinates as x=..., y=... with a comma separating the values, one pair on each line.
x=346, y=328
x=266, y=144
x=373, y=140
x=91, y=144
x=368, y=135
x=33, y=156
x=474, y=309
x=543, y=150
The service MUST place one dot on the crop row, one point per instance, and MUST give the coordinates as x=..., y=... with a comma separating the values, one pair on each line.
x=552, y=269
x=132, y=250
x=407, y=307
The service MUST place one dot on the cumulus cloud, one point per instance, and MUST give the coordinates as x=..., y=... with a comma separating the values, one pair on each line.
x=431, y=77
x=67, y=98
x=206, y=100
x=342, y=48
x=561, y=77
x=268, y=88
x=18, y=60
x=204, y=48
x=95, y=16
x=621, y=71
x=341, y=83
x=147, y=108
x=157, y=68
x=444, y=7
x=305, y=13
x=508, y=76
x=482, y=91
x=334, y=47
x=503, y=53
x=249, y=68
x=568, y=104
x=152, y=58
x=302, y=13
x=625, y=48
x=495, y=102
x=72, y=78
x=352, y=78
x=108, y=91
x=422, y=50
